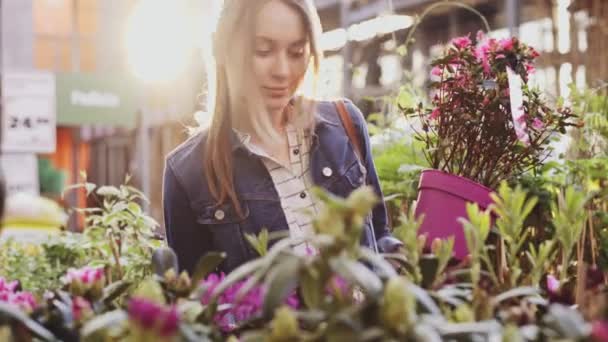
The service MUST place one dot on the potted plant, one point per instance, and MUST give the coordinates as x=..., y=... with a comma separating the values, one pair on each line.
x=484, y=125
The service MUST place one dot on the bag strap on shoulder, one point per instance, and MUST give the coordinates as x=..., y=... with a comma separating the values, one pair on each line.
x=349, y=127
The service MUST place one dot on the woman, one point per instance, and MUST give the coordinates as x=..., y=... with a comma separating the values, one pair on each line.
x=265, y=148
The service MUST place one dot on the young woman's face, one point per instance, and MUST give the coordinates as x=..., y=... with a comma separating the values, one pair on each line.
x=281, y=53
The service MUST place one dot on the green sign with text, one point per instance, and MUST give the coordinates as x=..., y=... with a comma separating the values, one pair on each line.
x=95, y=99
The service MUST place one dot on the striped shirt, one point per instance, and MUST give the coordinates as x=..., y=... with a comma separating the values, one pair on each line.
x=293, y=183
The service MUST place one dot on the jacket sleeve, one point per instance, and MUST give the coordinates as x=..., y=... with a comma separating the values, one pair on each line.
x=386, y=242
x=185, y=236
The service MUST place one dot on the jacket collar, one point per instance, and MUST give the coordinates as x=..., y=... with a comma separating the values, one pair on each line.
x=324, y=118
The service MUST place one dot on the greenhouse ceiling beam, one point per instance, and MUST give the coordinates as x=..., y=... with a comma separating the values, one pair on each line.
x=379, y=7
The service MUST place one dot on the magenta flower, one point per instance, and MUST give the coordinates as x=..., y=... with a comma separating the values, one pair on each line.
x=552, y=284
x=338, y=286
x=530, y=69
x=87, y=281
x=482, y=53
x=238, y=310
x=435, y=113
x=461, y=42
x=81, y=308
x=86, y=275
x=533, y=52
x=436, y=71
x=507, y=43
x=211, y=283
x=480, y=36
x=599, y=331
x=6, y=286
x=25, y=301
x=537, y=123
x=150, y=316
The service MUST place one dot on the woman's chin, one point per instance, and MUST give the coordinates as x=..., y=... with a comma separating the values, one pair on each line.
x=276, y=104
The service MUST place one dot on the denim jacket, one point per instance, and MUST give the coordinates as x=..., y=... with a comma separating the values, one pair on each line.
x=195, y=225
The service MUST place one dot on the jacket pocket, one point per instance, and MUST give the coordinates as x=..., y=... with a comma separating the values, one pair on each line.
x=224, y=225
x=352, y=178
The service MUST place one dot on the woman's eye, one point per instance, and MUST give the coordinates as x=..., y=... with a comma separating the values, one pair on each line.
x=262, y=53
x=296, y=54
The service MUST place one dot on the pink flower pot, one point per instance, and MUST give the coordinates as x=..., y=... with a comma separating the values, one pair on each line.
x=442, y=198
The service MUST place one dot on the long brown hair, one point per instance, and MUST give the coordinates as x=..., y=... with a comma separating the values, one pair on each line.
x=233, y=98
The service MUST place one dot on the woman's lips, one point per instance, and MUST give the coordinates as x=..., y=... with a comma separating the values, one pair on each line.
x=276, y=91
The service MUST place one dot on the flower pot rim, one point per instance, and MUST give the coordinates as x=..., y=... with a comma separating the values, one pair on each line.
x=465, y=188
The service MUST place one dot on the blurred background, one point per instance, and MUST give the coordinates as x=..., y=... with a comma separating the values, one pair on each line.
x=107, y=88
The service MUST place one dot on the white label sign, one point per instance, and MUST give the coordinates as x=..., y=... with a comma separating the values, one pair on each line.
x=20, y=173
x=517, y=106
x=29, y=112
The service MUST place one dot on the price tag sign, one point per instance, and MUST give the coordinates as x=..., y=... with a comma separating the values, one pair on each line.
x=29, y=112
x=20, y=173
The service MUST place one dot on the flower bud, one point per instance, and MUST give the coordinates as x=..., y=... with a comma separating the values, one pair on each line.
x=284, y=325
x=398, y=305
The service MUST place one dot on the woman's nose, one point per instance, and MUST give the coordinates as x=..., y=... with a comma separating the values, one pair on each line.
x=281, y=66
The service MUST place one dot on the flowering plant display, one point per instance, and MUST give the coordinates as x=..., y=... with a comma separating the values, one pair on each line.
x=10, y=294
x=485, y=122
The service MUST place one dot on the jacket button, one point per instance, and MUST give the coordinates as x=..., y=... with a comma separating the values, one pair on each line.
x=219, y=214
x=302, y=194
x=327, y=172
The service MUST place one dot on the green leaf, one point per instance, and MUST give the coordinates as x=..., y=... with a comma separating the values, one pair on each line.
x=280, y=283
x=237, y=274
x=424, y=299
x=384, y=268
x=114, y=290
x=34, y=327
x=357, y=273
x=311, y=288
x=109, y=191
x=465, y=331
x=190, y=310
x=206, y=265
x=567, y=322
x=260, y=242
x=134, y=208
x=516, y=292
x=102, y=322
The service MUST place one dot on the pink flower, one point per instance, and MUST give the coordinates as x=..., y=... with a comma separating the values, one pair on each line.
x=537, y=123
x=86, y=281
x=211, y=283
x=500, y=56
x=530, y=68
x=507, y=43
x=338, y=286
x=486, y=101
x=6, y=286
x=86, y=275
x=436, y=71
x=552, y=284
x=435, y=113
x=461, y=42
x=25, y=301
x=81, y=308
x=533, y=52
x=481, y=53
x=480, y=36
x=240, y=309
x=599, y=331
x=150, y=316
